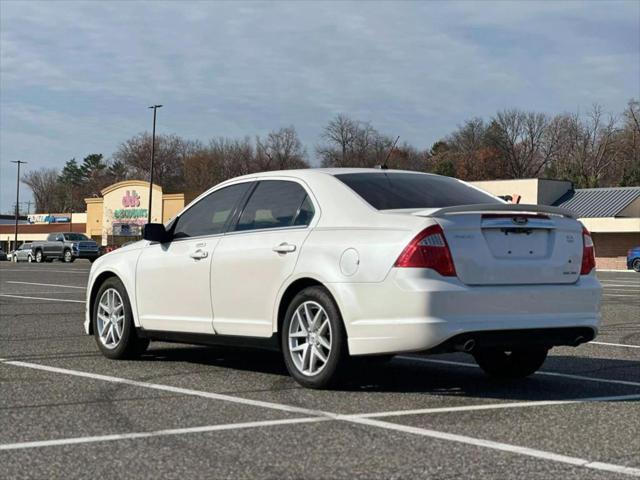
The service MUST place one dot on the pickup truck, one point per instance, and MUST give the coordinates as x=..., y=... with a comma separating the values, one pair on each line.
x=66, y=247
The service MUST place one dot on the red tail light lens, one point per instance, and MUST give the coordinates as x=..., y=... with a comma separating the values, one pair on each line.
x=428, y=249
x=588, y=253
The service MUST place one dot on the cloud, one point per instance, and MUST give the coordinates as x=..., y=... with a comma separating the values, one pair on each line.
x=76, y=76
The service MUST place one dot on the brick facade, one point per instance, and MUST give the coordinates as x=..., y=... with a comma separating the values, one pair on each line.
x=611, y=249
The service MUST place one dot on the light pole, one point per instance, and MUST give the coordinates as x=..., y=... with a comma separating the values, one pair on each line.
x=153, y=156
x=15, y=236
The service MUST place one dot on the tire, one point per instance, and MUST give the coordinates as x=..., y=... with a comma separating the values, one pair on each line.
x=67, y=256
x=309, y=369
x=39, y=256
x=30, y=259
x=636, y=265
x=511, y=364
x=114, y=346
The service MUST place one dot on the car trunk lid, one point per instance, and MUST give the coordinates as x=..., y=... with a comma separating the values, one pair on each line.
x=510, y=244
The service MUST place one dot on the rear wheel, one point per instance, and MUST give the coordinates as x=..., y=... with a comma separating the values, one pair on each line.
x=68, y=257
x=636, y=265
x=516, y=363
x=29, y=259
x=113, y=325
x=313, y=338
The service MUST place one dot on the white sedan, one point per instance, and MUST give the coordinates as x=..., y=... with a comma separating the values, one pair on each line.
x=325, y=264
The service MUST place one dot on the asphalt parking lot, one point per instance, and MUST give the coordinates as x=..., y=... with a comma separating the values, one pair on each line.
x=202, y=412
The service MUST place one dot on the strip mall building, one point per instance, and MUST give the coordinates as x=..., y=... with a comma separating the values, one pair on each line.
x=612, y=215
x=113, y=218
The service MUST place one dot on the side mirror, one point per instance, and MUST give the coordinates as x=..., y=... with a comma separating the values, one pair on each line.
x=155, y=232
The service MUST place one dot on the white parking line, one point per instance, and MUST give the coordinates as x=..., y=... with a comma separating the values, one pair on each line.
x=42, y=298
x=496, y=406
x=44, y=270
x=539, y=372
x=157, y=433
x=616, y=344
x=618, y=295
x=47, y=284
x=504, y=447
x=323, y=416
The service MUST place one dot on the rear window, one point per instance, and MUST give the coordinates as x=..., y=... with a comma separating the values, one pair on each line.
x=389, y=191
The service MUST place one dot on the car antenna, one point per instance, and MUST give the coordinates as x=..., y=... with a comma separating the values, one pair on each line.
x=384, y=165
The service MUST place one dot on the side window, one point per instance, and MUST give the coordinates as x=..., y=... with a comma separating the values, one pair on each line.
x=275, y=204
x=210, y=215
x=60, y=238
x=305, y=212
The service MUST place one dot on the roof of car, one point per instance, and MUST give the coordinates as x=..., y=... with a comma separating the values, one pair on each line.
x=306, y=172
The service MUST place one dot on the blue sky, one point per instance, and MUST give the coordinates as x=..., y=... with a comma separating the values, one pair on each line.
x=76, y=77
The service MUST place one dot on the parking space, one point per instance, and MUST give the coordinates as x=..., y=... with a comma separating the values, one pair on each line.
x=190, y=411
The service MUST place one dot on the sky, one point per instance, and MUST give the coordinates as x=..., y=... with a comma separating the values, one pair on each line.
x=76, y=77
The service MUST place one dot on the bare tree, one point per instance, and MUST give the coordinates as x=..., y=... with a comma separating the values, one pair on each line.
x=351, y=143
x=170, y=153
x=47, y=190
x=523, y=141
x=281, y=150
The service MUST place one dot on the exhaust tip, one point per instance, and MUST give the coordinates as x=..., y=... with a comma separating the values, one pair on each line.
x=467, y=346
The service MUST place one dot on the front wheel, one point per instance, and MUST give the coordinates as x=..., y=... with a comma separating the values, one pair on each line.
x=39, y=257
x=68, y=257
x=313, y=338
x=113, y=325
x=510, y=364
x=29, y=259
x=636, y=265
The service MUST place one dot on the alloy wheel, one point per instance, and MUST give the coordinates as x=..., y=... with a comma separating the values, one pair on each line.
x=67, y=256
x=110, y=318
x=38, y=257
x=310, y=338
x=636, y=265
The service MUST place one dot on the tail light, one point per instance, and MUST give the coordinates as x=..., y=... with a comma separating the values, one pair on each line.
x=588, y=253
x=428, y=249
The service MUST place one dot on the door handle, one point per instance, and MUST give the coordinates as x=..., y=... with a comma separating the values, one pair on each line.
x=284, y=248
x=199, y=254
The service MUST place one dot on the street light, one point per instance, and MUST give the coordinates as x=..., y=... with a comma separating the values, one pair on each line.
x=153, y=155
x=15, y=236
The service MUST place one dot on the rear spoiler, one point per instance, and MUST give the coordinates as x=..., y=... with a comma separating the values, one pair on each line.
x=496, y=207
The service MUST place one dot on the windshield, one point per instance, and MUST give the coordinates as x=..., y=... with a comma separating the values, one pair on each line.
x=398, y=190
x=74, y=237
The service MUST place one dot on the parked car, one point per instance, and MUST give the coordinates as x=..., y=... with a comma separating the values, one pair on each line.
x=66, y=247
x=325, y=264
x=3, y=255
x=22, y=254
x=633, y=259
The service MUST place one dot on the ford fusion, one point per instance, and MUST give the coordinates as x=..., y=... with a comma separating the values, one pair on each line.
x=329, y=264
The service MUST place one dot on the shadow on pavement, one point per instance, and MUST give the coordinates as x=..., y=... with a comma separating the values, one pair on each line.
x=402, y=375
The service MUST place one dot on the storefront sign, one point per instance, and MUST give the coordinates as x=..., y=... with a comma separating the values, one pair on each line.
x=48, y=219
x=131, y=199
x=130, y=213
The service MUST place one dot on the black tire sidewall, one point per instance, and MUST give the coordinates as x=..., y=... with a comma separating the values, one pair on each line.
x=330, y=373
x=129, y=341
x=39, y=257
x=68, y=259
x=636, y=265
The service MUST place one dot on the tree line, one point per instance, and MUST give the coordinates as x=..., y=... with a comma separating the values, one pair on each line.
x=592, y=149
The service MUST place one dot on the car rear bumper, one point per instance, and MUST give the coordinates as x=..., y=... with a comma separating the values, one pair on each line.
x=417, y=310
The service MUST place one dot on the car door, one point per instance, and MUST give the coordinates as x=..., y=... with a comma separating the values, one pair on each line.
x=54, y=247
x=173, y=278
x=256, y=256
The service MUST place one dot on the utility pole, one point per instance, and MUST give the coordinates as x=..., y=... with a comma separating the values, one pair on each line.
x=15, y=236
x=153, y=155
